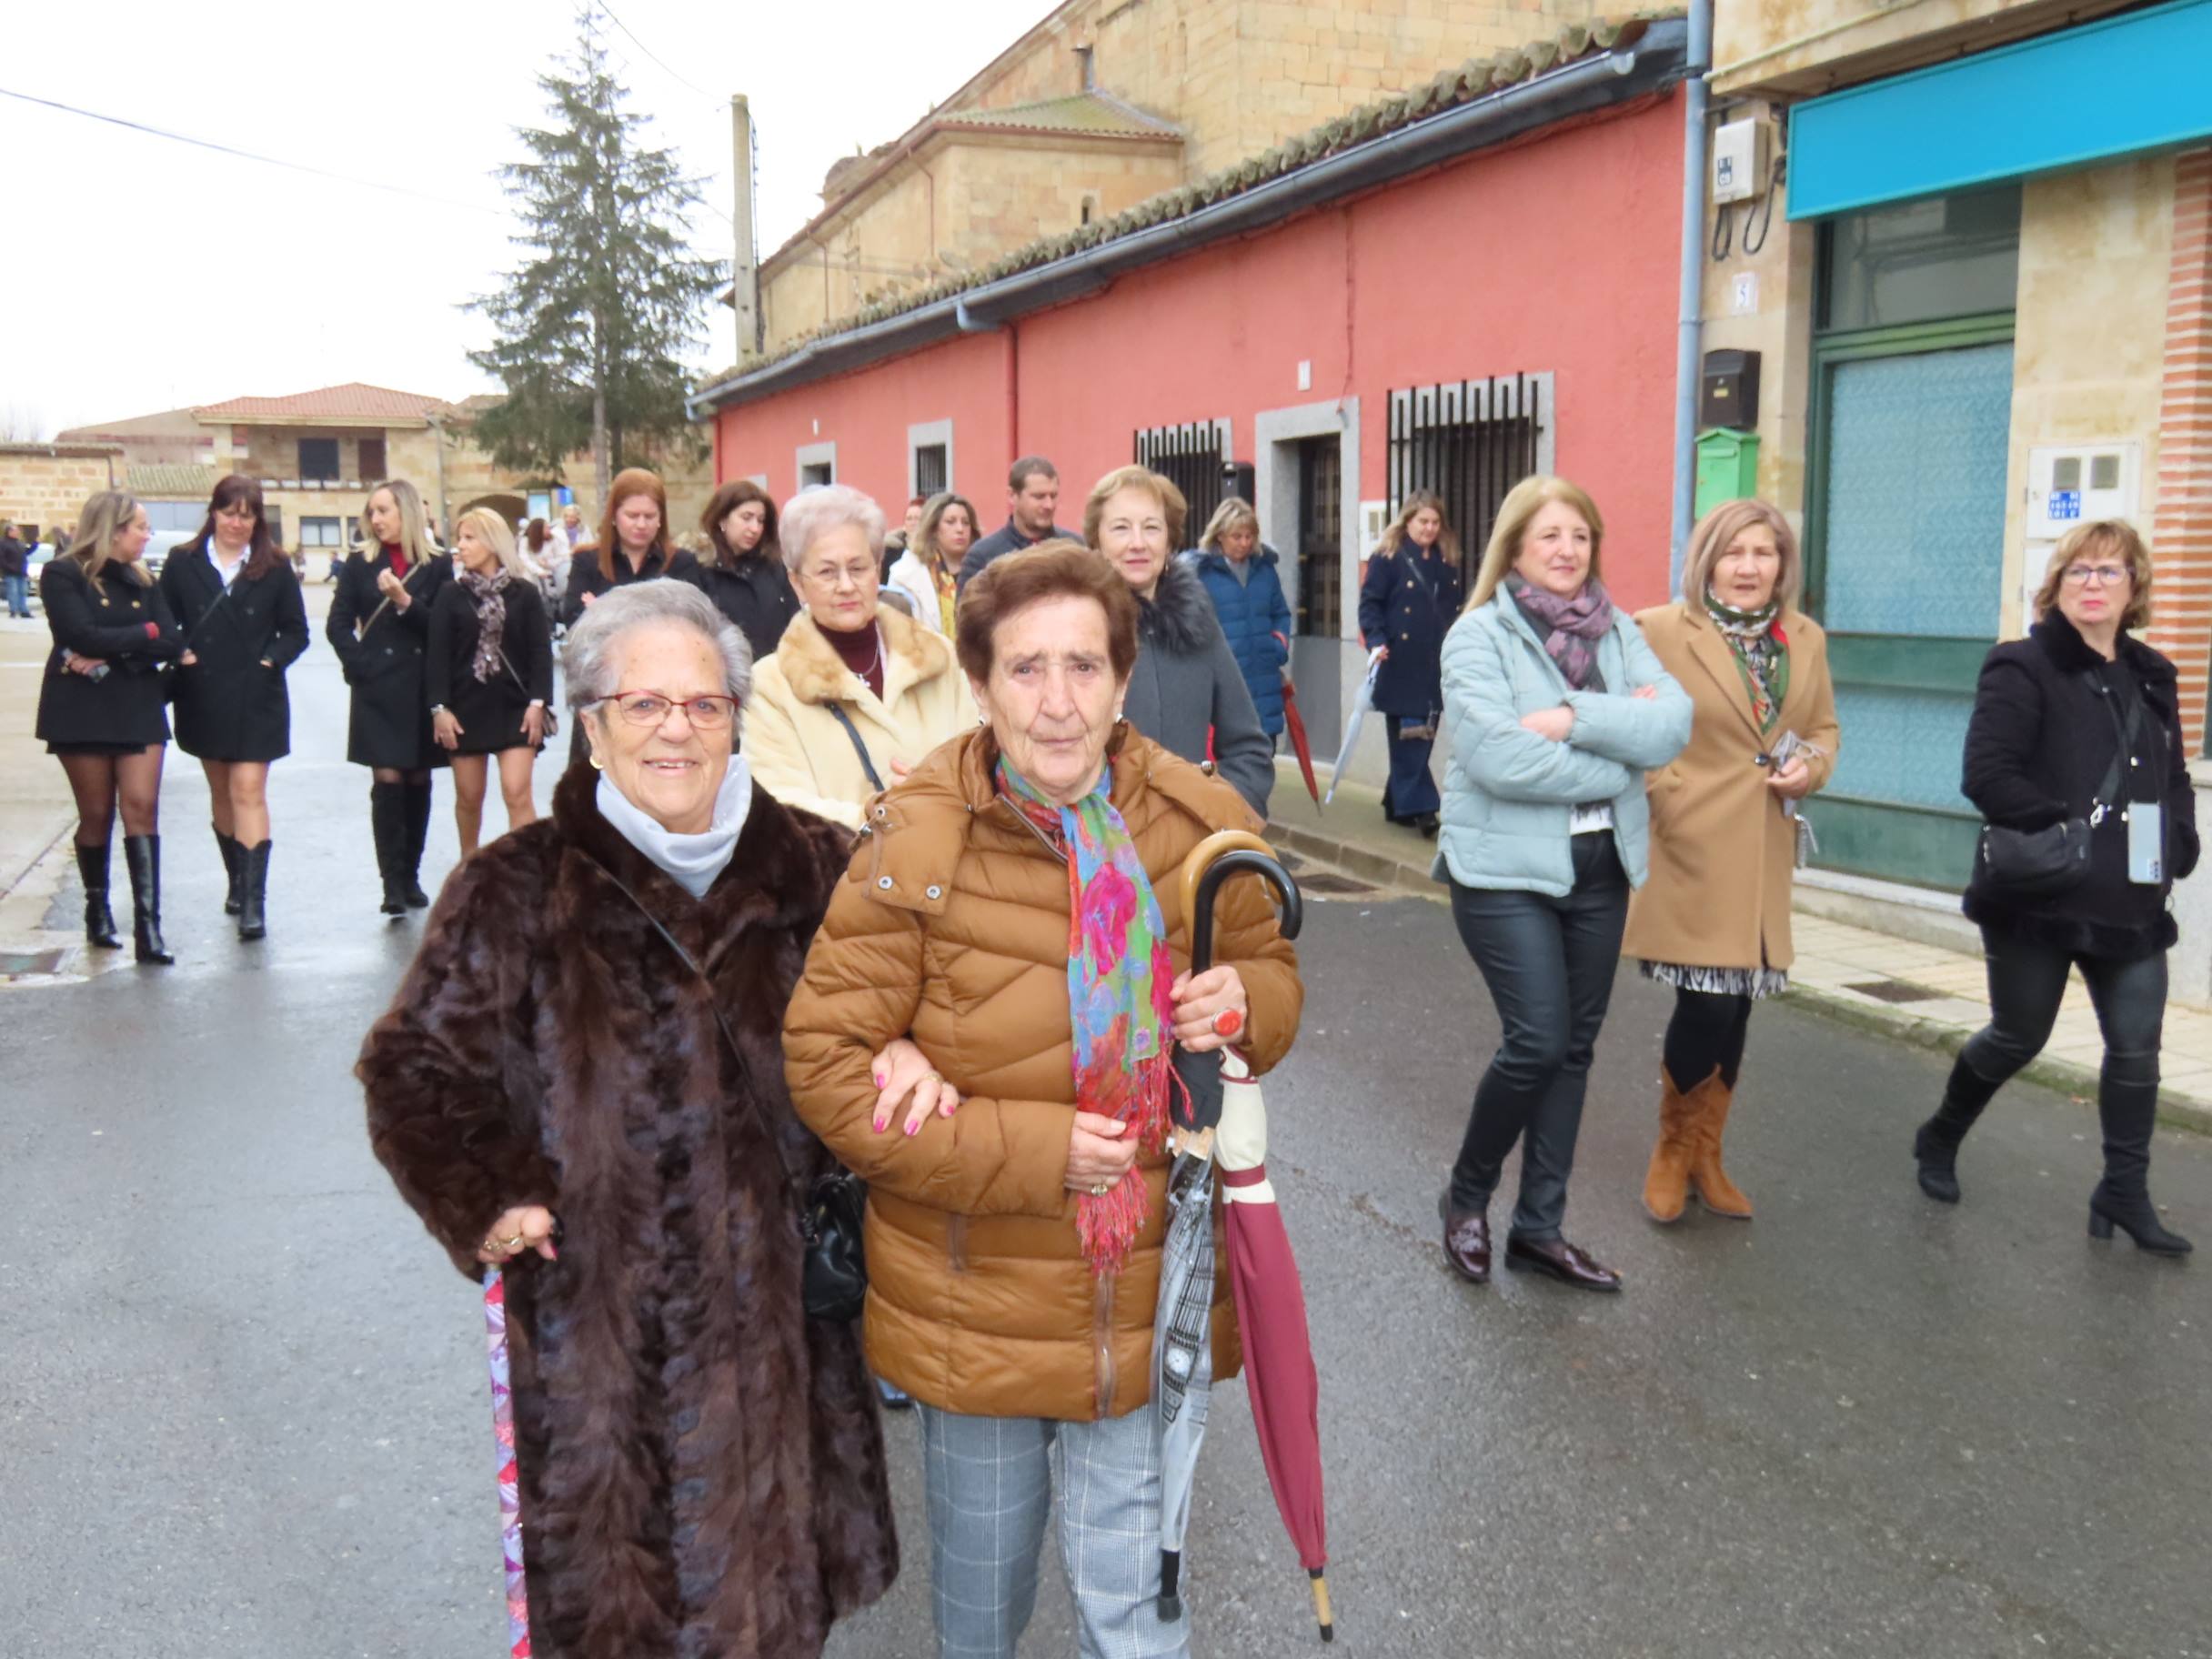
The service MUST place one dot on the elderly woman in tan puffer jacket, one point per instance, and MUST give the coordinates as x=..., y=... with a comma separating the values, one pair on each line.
x=858, y=692
x=1015, y=1248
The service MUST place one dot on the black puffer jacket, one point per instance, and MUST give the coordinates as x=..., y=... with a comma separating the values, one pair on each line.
x=2037, y=747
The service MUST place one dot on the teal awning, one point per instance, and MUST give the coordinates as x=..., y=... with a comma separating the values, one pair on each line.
x=2119, y=87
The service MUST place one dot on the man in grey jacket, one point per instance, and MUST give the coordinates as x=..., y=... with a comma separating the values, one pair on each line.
x=1033, y=497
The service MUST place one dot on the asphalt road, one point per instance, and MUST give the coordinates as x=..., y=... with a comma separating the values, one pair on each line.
x=242, y=1405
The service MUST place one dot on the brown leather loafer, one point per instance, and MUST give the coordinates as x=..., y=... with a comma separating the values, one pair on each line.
x=1466, y=1240
x=1566, y=1263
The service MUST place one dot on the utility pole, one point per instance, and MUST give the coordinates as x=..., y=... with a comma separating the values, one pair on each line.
x=744, y=272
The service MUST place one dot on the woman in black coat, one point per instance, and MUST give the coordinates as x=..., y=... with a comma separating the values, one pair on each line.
x=489, y=672
x=1409, y=599
x=236, y=597
x=633, y=547
x=379, y=625
x=2058, y=717
x=101, y=707
x=747, y=580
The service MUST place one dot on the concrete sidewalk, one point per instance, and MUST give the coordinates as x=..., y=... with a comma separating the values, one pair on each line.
x=1920, y=993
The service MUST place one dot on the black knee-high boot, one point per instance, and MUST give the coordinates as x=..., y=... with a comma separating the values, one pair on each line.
x=388, y=823
x=91, y=866
x=419, y=832
x=253, y=890
x=234, y=862
x=1936, y=1147
x=142, y=857
x=2127, y=1109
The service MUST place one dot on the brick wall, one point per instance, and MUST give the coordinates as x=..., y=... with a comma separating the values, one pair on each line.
x=2181, y=533
x=46, y=485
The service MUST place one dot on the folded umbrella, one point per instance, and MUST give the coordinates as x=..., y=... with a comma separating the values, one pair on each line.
x=510, y=1477
x=1359, y=706
x=1290, y=1437
x=1301, y=745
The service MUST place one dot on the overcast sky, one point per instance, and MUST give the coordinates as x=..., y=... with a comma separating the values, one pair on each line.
x=143, y=275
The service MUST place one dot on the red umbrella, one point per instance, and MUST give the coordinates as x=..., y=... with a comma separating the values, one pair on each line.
x=1301, y=744
x=1279, y=1374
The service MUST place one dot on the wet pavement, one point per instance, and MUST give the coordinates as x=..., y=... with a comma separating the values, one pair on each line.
x=242, y=1405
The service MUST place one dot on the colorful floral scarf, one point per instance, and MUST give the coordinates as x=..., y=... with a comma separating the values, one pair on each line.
x=1119, y=976
x=489, y=595
x=1762, y=655
x=1571, y=626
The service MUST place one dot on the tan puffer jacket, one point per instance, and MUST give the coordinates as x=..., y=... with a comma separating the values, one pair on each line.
x=952, y=925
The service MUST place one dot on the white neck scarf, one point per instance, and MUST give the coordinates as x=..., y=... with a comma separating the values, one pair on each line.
x=693, y=861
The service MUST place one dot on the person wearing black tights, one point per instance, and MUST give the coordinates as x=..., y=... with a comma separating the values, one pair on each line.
x=1714, y=921
x=2077, y=711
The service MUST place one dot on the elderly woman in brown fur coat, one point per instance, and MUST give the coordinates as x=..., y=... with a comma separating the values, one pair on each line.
x=701, y=1463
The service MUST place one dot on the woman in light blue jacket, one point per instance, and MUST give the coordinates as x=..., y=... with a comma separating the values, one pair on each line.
x=1554, y=708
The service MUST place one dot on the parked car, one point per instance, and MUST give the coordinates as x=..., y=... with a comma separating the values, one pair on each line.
x=162, y=544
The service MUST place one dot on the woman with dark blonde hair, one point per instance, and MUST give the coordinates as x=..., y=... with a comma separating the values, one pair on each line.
x=1410, y=596
x=746, y=579
x=2076, y=736
x=379, y=625
x=926, y=570
x=1712, y=919
x=1185, y=690
x=1239, y=571
x=236, y=597
x=490, y=673
x=1553, y=710
x=100, y=707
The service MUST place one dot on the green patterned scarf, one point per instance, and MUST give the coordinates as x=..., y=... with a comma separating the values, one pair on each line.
x=1762, y=655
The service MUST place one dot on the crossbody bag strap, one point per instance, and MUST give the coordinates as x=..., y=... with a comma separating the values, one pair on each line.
x=744, y=1074
x=858, y=748
x=2108, y=790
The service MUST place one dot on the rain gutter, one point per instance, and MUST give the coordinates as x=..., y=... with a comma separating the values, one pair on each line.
x=1654, y=62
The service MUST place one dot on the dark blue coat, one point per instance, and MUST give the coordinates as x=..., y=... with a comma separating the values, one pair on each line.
x=1408, y=602
x=1256, y=619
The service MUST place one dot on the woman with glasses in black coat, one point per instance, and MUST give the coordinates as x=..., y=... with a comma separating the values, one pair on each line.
x=2080, y=720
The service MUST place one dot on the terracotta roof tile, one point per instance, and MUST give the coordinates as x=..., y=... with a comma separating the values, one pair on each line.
x=1086, y=114
x=354, y=401
x=166, y=480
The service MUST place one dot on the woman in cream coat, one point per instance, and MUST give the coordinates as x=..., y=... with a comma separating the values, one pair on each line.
x=857, y=692
x=1713, y=919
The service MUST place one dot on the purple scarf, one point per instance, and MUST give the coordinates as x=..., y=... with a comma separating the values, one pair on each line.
x=1571, y=626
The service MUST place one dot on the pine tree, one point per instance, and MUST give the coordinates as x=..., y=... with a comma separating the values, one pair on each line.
x=591, y=328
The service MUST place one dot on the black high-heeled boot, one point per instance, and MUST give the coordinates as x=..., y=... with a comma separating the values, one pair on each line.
x=1936, y=1146
x=2129, y=1109
x=253, y=891
x=142, y=858
x=234, y=861
x=418, y=833
x=388, y=824
x=91, y=866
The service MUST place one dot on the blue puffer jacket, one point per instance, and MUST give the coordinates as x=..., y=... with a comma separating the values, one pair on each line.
x=1254, y=613
x=1508, y=792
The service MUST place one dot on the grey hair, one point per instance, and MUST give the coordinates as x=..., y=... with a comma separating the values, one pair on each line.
x=587, y=660
x=810, y=513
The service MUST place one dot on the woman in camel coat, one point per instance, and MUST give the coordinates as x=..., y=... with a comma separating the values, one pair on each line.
x=858, y=692
x=1713, y=919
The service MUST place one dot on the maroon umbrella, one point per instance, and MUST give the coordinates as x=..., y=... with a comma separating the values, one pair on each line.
x=1301, y=745
x=1279, y=1374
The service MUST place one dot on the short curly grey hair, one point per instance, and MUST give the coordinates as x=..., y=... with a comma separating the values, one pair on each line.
x=811, y=511
x=587, y=660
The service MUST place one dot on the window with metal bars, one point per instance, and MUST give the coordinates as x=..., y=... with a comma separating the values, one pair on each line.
x=930, y=465
x=1469, y=442
x=1194, y=456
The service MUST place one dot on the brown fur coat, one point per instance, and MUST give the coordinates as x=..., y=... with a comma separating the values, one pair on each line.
x=702, y=1466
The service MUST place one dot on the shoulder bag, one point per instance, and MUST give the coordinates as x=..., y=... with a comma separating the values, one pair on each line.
x=2044, y=863
x=834, y=1279
x=858, y=748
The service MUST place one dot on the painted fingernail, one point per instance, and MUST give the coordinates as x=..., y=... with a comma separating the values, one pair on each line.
x=878, y=1076
x=913, y=1126
x=880, y=1123
x=552, y=1254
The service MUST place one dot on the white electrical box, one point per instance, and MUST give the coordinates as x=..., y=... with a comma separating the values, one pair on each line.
x=1739, y=161
x=2070, y=485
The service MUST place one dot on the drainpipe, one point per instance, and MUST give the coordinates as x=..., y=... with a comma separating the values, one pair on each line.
x=1689, y=330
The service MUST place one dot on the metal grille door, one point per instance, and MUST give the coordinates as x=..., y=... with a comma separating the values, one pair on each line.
x=1469, y=442
x=1192, y=457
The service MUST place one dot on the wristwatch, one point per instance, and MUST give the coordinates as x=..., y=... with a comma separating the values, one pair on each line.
x=436, y=709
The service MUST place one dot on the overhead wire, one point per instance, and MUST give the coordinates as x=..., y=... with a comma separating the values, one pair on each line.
x=233, y=150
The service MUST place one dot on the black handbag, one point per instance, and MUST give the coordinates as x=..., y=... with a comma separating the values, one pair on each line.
x=834, y=1276
x=2055, y=859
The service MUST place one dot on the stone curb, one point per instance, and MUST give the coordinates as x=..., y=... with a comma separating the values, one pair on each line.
x=2176, y=1111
